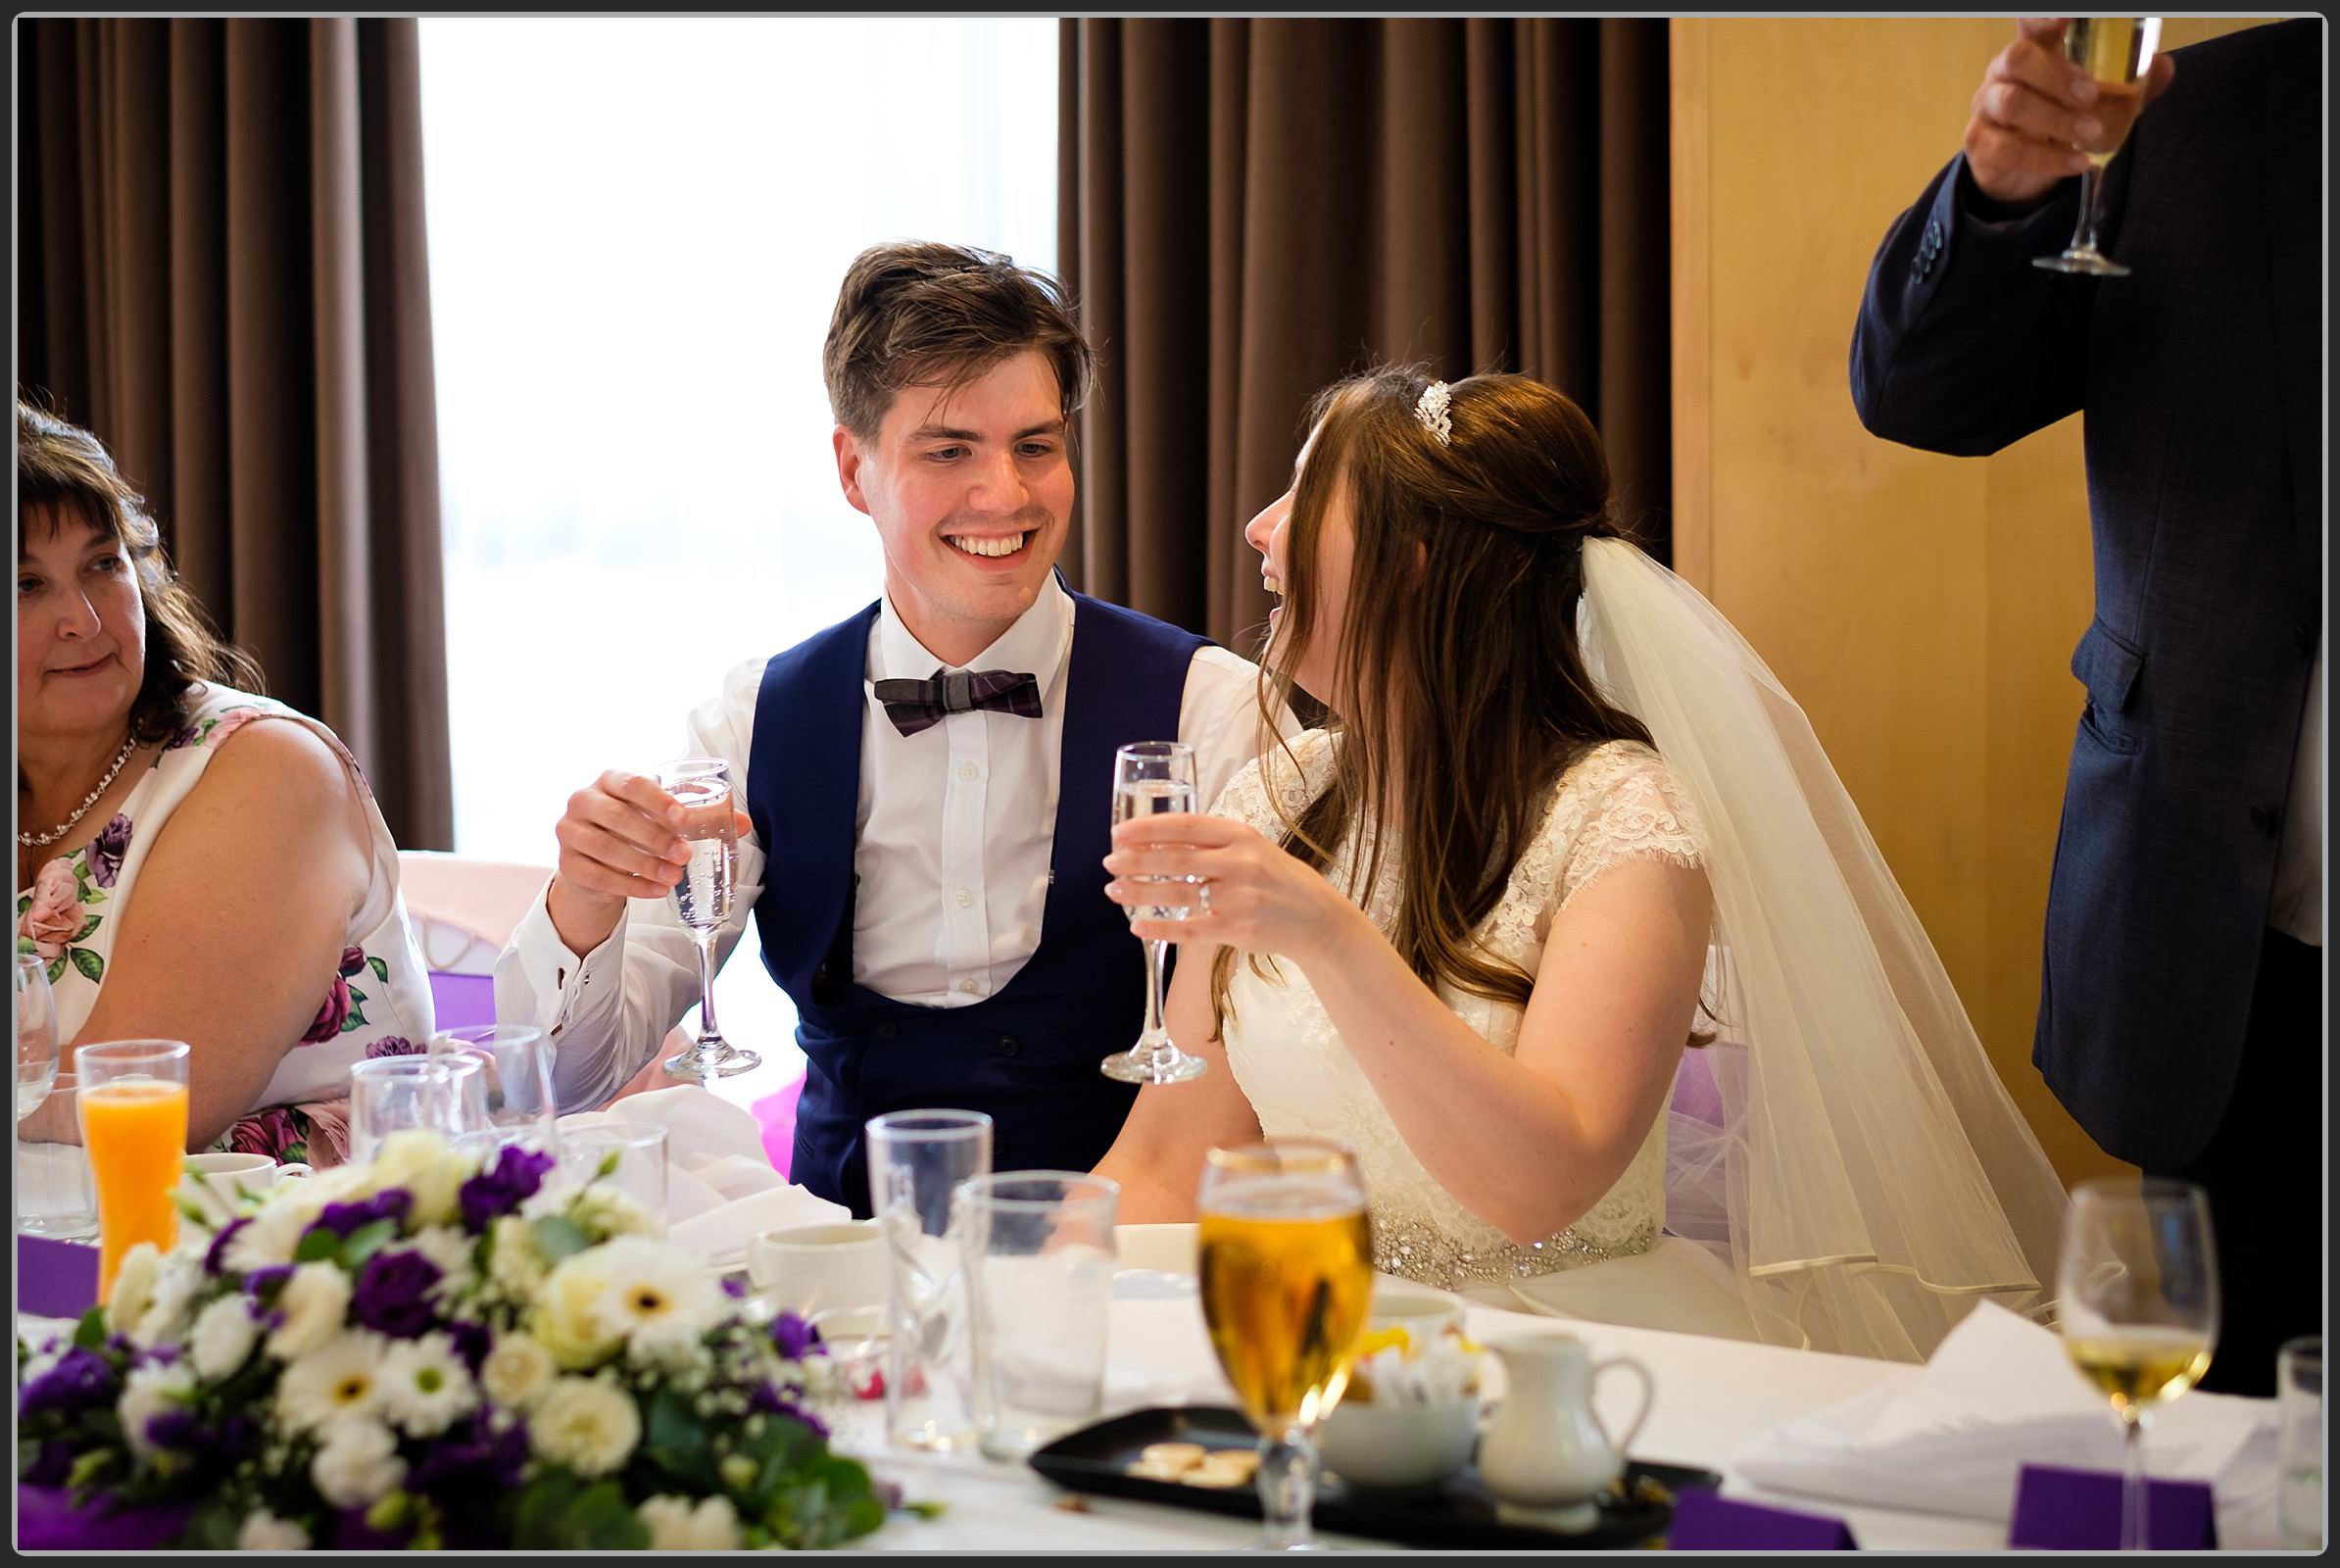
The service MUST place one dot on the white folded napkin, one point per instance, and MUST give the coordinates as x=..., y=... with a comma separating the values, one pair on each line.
x=1950, y=1437
x=721, y=1235
x=720, y=1188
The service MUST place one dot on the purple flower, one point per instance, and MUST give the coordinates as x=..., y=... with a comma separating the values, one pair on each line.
x=735, y=1287
x=107, y=849
x=765, y=1400
x=472, y=1341
x=392, y=1046
x=472, y=1459
x=177, y=1429
x=500, y=1189
x=52, y=1466
x=393, y=1295
x=262, y=1283
x=346, y=1219
x=794, y=1336
x=239, y=1436
x=79, y=1378
x=215, y=1257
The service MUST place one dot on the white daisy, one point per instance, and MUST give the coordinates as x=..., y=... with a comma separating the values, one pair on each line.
x=426, y=1386
x=223, y=1336
x=263, y=1531
x=677, y=1526
x=147, y=1393
x=133, y=1285
x=358, y=1464
x=585, y=1424
x=517, y=1370
x=313, y=1301
x=656, y=1296
x=340, y=1380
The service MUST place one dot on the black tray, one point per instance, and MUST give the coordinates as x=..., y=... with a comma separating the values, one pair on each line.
x=1460, y=1515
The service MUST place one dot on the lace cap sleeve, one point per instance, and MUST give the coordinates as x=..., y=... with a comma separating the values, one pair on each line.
x=1621, y=804
x=1264, y=783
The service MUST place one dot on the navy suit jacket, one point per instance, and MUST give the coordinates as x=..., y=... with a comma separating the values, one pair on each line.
x=2198, y=379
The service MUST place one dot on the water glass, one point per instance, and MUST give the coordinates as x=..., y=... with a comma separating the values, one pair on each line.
x=636, y=1150
x=55, y=1197
x=511, y=1095
x=391, y=1094
x=35, y=1009
x=132, y=1107
x=917, y=1160
x=2299, y=1444
x=1038, y=1250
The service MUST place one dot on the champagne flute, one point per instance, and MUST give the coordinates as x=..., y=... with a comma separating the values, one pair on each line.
x=702, y=787
x=1148, y=778
x=2117, y=50
x=1287, y=1282
x=36, y=1034
x=2139, y=1301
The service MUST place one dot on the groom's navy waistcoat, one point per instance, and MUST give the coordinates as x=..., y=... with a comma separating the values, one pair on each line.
x=1028, y=1053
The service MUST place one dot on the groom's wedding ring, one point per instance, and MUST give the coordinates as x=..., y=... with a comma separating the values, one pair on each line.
x=1203, y=895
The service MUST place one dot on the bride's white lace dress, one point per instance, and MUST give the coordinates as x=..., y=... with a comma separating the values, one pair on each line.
x=1617, y=802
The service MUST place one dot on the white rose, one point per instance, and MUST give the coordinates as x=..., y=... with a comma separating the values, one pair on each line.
x=267, y=1242
x=147, y=1393
x=585, y=1424
x=419, y=1160
x=357, y=1466
x=179, y=1279
x=567, y=1318
x=676, y=1526
x=264, y=1532
x=515, y=1371
x=313, y=1301
x=134, y=1287
x=224, y=1334
x=450, y=1249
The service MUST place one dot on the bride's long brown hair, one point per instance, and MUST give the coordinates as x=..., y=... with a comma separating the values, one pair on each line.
x=1463, y=697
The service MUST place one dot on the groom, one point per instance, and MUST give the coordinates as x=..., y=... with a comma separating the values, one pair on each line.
x=927, y=784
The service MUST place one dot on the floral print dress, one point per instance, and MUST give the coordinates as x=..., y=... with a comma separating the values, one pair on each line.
x=380, y=1004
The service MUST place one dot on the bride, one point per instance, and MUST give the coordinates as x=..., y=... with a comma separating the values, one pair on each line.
x=1564, y=839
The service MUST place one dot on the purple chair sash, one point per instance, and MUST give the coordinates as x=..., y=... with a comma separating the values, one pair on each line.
x=55, y=1279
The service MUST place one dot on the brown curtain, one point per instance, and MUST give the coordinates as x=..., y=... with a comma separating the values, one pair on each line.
x=221, y=257
x=1251, y=209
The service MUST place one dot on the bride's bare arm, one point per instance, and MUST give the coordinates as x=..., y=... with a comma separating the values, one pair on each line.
x=1158, y=1157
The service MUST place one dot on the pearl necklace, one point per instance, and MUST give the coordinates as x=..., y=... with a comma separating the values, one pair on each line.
x=33, y=841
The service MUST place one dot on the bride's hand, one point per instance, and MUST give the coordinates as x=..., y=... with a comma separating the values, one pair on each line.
x=1240, y=889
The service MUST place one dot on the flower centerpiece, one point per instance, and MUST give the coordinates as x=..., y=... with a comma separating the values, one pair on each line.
x=434, y=1350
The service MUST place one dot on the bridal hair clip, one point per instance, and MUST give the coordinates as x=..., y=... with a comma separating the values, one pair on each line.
x=1432, y=412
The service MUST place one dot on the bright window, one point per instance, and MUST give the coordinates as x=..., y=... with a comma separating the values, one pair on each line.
x=637, y=231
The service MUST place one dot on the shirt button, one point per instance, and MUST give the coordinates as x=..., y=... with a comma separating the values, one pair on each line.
x=971, y=988
x=967, y=771
x=965, y=898
x=1010, y=1044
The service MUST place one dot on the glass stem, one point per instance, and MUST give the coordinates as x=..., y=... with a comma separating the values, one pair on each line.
x=1286, y=1489
x=1157, y=1037
x=2132, y=1481
x=708, y=1036
x=2083, y=238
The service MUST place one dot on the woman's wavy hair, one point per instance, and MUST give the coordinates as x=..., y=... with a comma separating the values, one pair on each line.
x=65, y=474
x=1462, y=692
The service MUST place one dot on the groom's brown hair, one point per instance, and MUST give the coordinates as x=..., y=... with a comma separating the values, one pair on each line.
x=915, y=312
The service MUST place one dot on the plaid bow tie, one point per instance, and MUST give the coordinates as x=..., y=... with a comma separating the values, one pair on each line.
x=915, y=704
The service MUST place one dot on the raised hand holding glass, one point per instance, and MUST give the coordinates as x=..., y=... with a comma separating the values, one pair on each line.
x=2117, y=52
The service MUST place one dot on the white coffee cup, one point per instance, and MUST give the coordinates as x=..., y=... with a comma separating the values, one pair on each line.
x=817, y=1268
x=216, y=1182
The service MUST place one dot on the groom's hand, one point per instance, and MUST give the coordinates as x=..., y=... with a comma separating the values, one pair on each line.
x=619, y=841
x=2035, y=109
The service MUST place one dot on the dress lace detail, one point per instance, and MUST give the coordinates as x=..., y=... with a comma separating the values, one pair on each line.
x=1617, y=802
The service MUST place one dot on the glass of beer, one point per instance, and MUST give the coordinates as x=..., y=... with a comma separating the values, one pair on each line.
x=132, y=1106
x=2117, y=50
x=2137, y=1287
x=1286, y=1279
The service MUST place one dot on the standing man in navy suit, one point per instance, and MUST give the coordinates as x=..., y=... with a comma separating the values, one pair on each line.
x=2180, y=1016
x=926, y=870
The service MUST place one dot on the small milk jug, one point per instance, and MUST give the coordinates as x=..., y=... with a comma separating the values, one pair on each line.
x=1546, y=1456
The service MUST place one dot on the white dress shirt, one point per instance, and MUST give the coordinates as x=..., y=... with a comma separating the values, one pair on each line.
x=955, y=826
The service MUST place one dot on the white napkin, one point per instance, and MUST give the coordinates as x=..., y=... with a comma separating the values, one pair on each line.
x=1950, y=1437
x=720, y=1188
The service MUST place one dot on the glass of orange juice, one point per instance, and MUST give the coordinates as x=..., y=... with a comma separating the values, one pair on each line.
x=134, y=1111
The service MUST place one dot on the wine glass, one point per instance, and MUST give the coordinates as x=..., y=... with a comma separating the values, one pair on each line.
x=1151, y=777
x=2138, y=1303
x=36, y=1034
x=2117, y=50
x=702, y=787
x=1286, y=1281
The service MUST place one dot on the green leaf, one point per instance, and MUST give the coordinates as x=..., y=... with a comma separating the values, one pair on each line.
x=56, y=971
x=91, y=1332
x=558, y=1514
x=23, y=902
x=558, y=1235
x=381, y=970
x=213, y=1526
x=319, y=1247
x=92, y=967
x=84, y=934
x=357, y=1017
x=366, y=1241
x=92, y=1465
